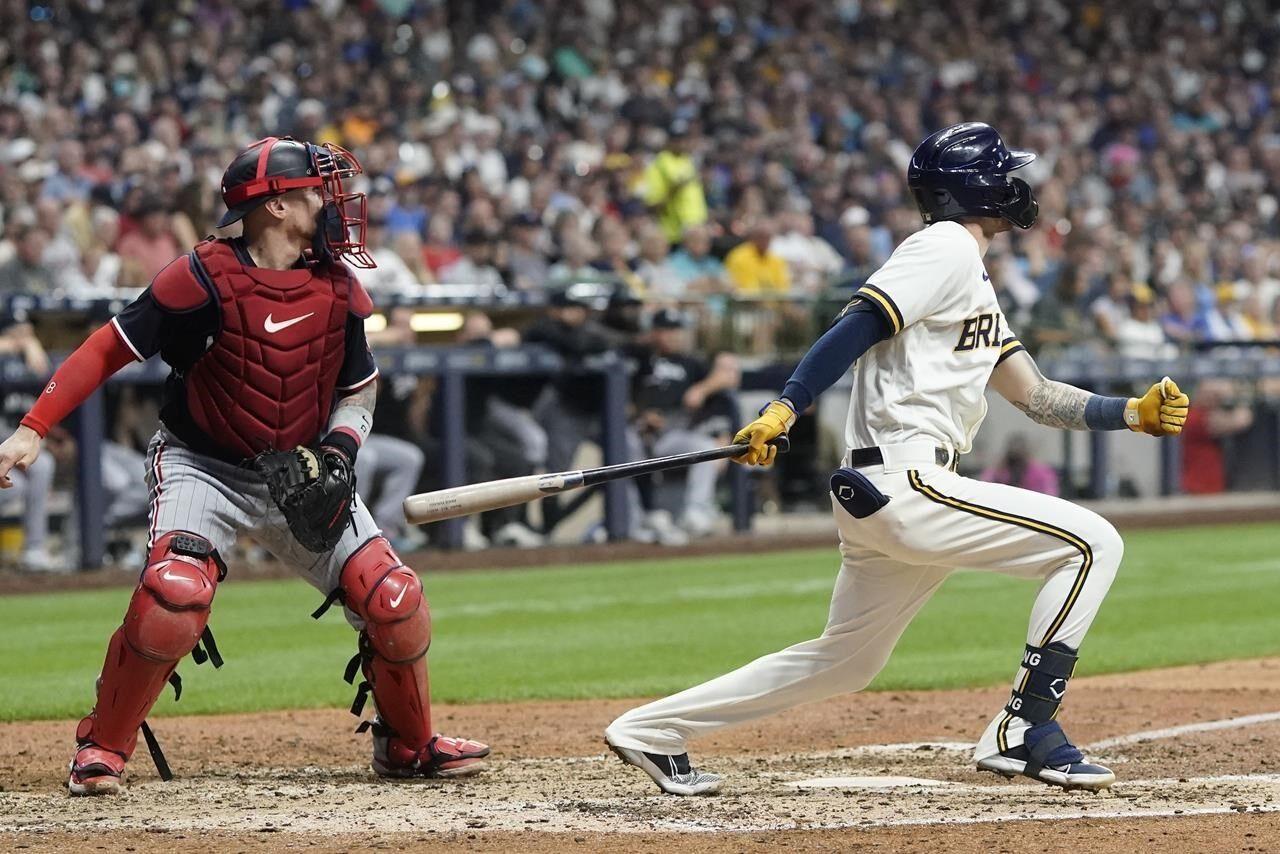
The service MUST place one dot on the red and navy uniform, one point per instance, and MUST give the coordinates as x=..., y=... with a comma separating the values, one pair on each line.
x=257, y=354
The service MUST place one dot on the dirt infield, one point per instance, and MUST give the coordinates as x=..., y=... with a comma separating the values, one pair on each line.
x=1197, y=751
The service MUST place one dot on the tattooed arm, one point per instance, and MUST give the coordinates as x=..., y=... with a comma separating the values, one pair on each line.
x=1055, y=404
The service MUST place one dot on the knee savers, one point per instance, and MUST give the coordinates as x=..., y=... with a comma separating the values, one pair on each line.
x=170, y=608
x=388, y=596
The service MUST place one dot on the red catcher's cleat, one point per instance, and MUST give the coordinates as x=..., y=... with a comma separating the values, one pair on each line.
x=95, y=771
x=442, y=757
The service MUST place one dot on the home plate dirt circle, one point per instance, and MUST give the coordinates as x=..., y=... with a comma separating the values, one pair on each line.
x=864, y=783
x=1196, y=751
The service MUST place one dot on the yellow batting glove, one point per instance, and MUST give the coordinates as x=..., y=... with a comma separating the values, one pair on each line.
x=774, y=421
x=1160, y=412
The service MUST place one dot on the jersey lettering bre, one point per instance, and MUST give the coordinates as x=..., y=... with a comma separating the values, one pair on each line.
x=927, y=380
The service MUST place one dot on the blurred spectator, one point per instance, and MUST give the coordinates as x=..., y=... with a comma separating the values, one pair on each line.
x=860, y=256
x=527, y=255
x=1225, y=321
x=475, y=267
x=504, y=439
x=70, y=181
x=25, y=272
x=1058, y=321
x=392, y=274
x=440, y=250
x=811, y=261
x=570, y=407
x=61, y=256
x=1139, y=335
x=1182, y=322
x=387, y=471
x=1111, y=309
x=1019, y=468
x=99, y=270
x=575, y=265
x=693, y=265
x=615, y=256
x=683, y=405
x=672, y=187
x=655, y=269
x=148, y=248
x=753, y=268
x=1217, y=415
x=1258, y=320
x=31, y=488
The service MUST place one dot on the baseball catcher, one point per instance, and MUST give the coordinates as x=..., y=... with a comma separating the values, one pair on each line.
x=269, y=400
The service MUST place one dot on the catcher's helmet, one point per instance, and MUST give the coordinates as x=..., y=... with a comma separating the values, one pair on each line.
x=276, y=165
x=963, y=171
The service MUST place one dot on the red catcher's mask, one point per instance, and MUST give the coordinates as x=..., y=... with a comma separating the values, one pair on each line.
x=276, y=165
x=340, y=231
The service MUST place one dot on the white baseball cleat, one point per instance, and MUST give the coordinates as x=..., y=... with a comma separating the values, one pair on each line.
x=673, y=774
x=1048, y=756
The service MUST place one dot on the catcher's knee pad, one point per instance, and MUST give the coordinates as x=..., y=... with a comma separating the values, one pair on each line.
x=1038, y=696
x=388, y=596
x=170, y=608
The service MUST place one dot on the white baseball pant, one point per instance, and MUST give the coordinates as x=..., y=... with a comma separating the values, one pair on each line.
x=891, y=563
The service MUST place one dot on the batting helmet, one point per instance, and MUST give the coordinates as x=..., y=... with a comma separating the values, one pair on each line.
x=276, y=165
x=962, y=171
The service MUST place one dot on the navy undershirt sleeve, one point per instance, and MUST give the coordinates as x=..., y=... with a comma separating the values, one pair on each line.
x=854, y=333
x=1105, y=413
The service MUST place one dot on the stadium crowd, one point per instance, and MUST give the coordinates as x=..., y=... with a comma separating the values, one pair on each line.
x=695, y=153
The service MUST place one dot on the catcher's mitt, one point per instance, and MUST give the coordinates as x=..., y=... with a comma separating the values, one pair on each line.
x=314, y=489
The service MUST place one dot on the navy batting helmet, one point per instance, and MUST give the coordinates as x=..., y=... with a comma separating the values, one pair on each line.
x=962, y=171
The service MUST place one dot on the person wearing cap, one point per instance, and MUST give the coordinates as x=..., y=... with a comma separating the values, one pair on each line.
x=569, y=409
x=754, y=268
x=526, y=258
x=264, y=334
x=685, y=404
x=475, y=267
x=672, y=187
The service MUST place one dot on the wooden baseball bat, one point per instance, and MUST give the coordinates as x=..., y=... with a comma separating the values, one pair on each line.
x=495, y=494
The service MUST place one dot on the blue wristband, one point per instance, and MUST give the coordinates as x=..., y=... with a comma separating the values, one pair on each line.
x=1105, y=413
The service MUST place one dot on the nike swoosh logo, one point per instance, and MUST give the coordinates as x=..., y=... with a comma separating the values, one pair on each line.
x=395, y=603
x=273, y=327
x=167, y=577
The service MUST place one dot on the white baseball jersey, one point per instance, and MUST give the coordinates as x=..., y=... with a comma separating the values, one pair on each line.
x=927, y=380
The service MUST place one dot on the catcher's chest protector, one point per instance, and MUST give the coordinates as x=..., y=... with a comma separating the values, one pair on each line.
x=268, y=380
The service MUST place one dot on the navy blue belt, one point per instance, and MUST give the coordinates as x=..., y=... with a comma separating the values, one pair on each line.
x=861, y=457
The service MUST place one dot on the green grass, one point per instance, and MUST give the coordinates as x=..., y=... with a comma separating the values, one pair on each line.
x=632, y=629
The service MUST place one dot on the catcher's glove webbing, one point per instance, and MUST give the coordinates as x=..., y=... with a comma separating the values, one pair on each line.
x=314, y=489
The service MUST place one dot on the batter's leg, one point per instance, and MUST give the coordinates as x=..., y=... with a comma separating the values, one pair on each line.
x=874, y=599
x=1075, y=554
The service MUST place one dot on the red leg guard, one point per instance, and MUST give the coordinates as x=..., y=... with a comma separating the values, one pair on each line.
x=166, y=616
x=388, y=596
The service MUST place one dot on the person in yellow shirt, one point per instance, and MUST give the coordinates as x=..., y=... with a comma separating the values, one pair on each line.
x=753, y=269
x=672, y=187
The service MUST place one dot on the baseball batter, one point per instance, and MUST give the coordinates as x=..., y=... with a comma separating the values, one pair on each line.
x=928, y=338
x=269, y=400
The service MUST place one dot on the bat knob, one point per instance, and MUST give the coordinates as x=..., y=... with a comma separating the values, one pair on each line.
x=782, y=443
